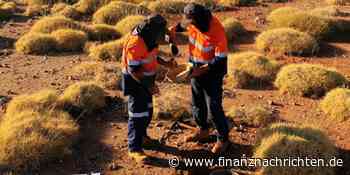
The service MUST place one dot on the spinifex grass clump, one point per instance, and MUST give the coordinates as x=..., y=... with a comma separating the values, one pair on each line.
x=103, y=32
x=115, y=11
x=336, y=104
x=52, y=23
x=167, y=6
x=36, y=43
x=286, y=41
x=108, y=51
x=128, y=23
x=70, y=40
x=308, y=80
x=251, y=69
x=254, y=115
x=233, y=28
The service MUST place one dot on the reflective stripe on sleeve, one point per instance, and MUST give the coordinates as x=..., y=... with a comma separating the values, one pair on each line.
x=134, y=63
x=138, y=114
x=221, y=54
x=200, y=46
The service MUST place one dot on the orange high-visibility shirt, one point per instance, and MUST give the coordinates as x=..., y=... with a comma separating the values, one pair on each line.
x=205, y=47
x=135, y=53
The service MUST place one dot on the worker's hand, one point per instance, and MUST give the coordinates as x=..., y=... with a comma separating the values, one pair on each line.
x=174, y=49
x=154, y=90
x=198, y=71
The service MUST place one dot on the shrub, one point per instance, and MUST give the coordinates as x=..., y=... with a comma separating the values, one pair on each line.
x=107, y=76
x=29, y=139
x=36, y=43
x=233, y=28
x=88, y=7
x=167, y=6
x=237, y=2
x=7, y=9
x=50, y=24
x=337, y=2
x=58, y=7
x=69, y=12
x=308, y=80
x=286, y=41
x=104, y=32
x=128, y=23
x=115, y=11
x=37, y=10
x=107, y=51
x=83, y=95
x=48, y=2
x=336, y=104
x=314, y=25
x=38, y=102
x=252, y=115
x=327, y=12
x=292, y=141
x=257, y=69
x=172, y=104
x=282, y=11
x=210, y=4
x=70, y=40
x=272, y=1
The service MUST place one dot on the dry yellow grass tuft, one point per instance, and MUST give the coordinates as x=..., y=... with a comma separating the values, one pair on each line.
x=336, y=104
x=108, y=51
x=69, y=12
x=171, y=104
x=327, y=12
x=103, y=32
x=30, y=138
x=48, y=2
x=237, y=2
x=70, y=40
x=286, y=41
x=125, y=25
x=167, y=6
x=58, y=7
x=337, y=2
x=52, y=23
x=308, y=80
x=37, y=10
x=83, y=95
x=233, y=28
x=7, y=9
x=250, y=69
x=88, y=7
x=38, y=102
x=275, y=14
x=314, y=25
x=256, y=115
x=284, y=140
x=117, y=10
x=36, y=43
x=105, y=75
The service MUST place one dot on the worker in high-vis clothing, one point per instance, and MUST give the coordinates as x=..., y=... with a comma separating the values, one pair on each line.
x=208, y=57
x=140, y=61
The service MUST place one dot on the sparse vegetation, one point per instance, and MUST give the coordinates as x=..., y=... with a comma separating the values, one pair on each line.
x=37, y=102
x=50, y=24
x=29, y=139
x=88, y=7
x=69, y=12
x=172, y=105
x=286, y=41
x=336, y=104
x=167, y=6
x=115, y=11
x=316, y=26
x=83, y=95
x=104, y=32
x=337, y=2
x=128, y=23
x=70, y=40
x=256, y=116
x=233, y=28
x=237, y=2
x=330, y=11
x=36, y=43
x=7, y=9
x=254, y=67
x=37, y=10
x=308, y=80
x=107, y=76
x=108, y=51
x=287, y=140
x=48, y=2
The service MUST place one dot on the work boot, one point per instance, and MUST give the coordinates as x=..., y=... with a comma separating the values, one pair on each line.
x=138, y=156
x=149, y=142
x=198, y=136
x=220, y=147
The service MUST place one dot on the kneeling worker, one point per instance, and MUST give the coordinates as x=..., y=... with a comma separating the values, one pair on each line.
x=208, y=56
x=140, y=60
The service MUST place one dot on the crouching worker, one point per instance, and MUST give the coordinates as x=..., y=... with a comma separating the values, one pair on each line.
x=140, y=60
x=208, y=56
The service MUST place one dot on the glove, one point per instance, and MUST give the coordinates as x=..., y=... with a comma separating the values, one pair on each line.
x=174, y=49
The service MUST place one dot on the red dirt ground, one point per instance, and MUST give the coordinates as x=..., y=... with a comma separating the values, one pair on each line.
x=103, y=144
